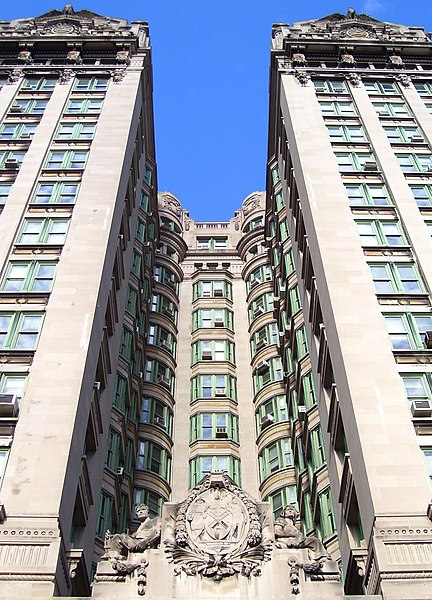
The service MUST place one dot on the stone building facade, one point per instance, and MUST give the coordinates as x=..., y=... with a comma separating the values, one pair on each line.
x=223, y=409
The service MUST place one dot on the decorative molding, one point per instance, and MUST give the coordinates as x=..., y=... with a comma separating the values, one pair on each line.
x=302, y=77
x=354, y=79
x=218, y=531
x=15, y=76
x=404, y=80
x=65, y=76
x=118, y=75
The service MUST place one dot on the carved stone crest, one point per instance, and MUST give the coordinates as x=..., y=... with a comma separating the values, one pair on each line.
x=218, y=531
x=172, y=204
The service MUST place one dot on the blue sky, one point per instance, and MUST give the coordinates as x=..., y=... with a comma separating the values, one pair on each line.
x=211, y=64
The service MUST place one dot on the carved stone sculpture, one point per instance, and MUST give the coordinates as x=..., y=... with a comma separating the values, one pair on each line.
x=147, y=535
x=25, y=57
x=302, y=77
x=403, y=79
x=15, y=76
x=218, y=531
x=288, y=536
x=66, y=76
x=354, y=79
x=122, y=57
x=73, y=57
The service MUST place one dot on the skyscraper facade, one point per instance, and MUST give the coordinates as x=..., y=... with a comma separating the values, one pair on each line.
x=215, y=372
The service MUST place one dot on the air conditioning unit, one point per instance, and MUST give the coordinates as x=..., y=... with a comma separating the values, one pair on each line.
x=255, y=282
x=159, y=422
x=15, y=109
x=164, y=381
x=26, y=88
x=267, y=420
x=428, y=340
x=221, y=432
x=97, y=385
x=220, y=391
x=260, y=344
x=258, y=311
x=426, y=168
x=301, y=413
x=219, y=322
x=11, y=163
x=218, y=293
x=8, y=405
x=370, y=166
x=207, y=294
x=421, y=408
x=417, y=138
x=383, y=113
x=262, y=366
x=207, y=355
x=120, y=471
x=25, y=136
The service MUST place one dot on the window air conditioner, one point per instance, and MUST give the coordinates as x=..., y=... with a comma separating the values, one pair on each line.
x=421, y=408
x=207, y=355
x=426, y=168
x=417, y=138
x=120, y=471
x=164, y=381
x=428, y=340
x=218, y=322
x=159, y=422
x=260, y=344
x=15, y=109
x=258, y=311
x=370, y=166
x=25, y=136
x=8, y=405
x=206, y=294
x=11, y=163
x=267, y=420
x=218, y=293
x=383, y=113
x=301, y=413
x=262, y=366
x=221, y=432
x=220, y=391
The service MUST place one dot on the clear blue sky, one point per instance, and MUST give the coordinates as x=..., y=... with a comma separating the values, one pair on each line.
x=211, y=63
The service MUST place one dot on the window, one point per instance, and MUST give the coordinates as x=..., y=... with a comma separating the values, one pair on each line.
x=213, y=386
x=417, y=386
x=29, y=276
x=151, y=499
x=396, y=278
x=120, y=393
x=60, y=192
x=75, y=131
x=112, y=459
x=263, y=304
x=43, y=231
x=380, y=233
x=157, y=372
x=155, y=412
x=331, y=86
x=212, y=289
x=167, y=277
x=83, y=106
x=136, y=263
x=13, y=383
x=212, y=243
x=396, y=135
x=105, y=514
x=154, y=458
x=429, y=226
x=415, y=163
x=294, y=300
x=360, y=194
x=217, y=350
x=279, y=201
x=267, y=371
x=346, y=133
x=427, y=454
x=424, y=88
x=274, y=457
x=338, y=108
x=308, y=390
x=282, y=498
x=212, y=317
x=88, y=84
x=354, y=161
x=264, y=337
x=253, y=224
x=126, y=343
x=407, y=330
x=29, y=107
x=211, y=426
x=258, y=276
x=4, y=455
x=17, y=131
x=327, y=523
x=203, y=465
x=318, y=457
x=5, y=188
x=162, y=304
x=39, y=84
x=20, y=330
x=422, y=194
x=161, y=337
x=301, y=346
x=66, y=159
x=288, y=262
x=380, y=87
x=391, y=109
x=11, y=159
x=274, y=410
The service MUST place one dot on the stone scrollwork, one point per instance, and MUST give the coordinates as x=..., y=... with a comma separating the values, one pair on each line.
x=218, y=531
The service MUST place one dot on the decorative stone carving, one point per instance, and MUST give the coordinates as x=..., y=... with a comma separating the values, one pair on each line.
x=15, y=76
x=66, y=76
x=299, y=60
x=68, y=9
x=118, y=546
x=73, y=57
x=302, y=77
x=218, y=531
x=118, y=75
x=404, y=80
x=122, y=57
x=25, y=57
x=251, y=203
x=347, y=60
x=287, y=535
x=396, y=61
x=354, y=79
x=172, y=204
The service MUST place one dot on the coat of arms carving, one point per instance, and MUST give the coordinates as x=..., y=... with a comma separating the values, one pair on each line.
x=218, y=531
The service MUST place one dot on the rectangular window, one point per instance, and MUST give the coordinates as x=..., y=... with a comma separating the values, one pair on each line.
x=405, y=134
x=204, y=465
x=424, y=88
x=338, y=108
x=28, y=107
x=330, y=86
x=380, y=87
x=82, y=106
x=60, y=192
x=17, y=131
x=29, y=276
x=396, y=278
x=39, y=84
x=90, y=84
x=66, y=159
x=105, y=515
x=75, y=131
x=11, y=159
x=355, y=161
x=4, y=455
x=212, y=243
x=374, y=194
x=327, y=520
x=415, y=163
x=346, y=133
x=380, y=233
x=427, y=453
x=43, y=231
x=422, y=194
x=19, y=330
x=391, y=109
x=5, y=189
x=407, y=331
